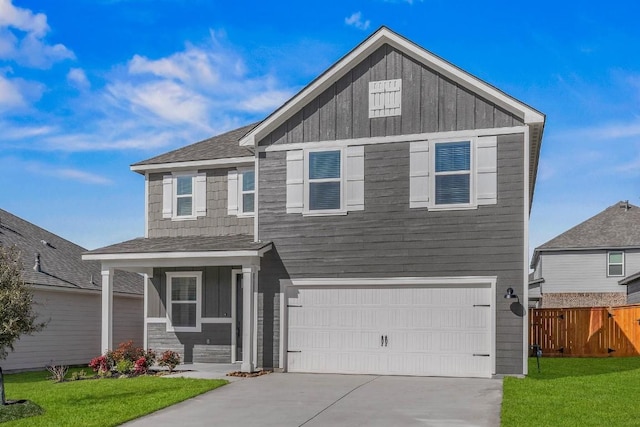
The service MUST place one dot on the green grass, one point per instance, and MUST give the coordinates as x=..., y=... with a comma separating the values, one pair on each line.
x=574, y=392
x=106, y=402
x=17, y=410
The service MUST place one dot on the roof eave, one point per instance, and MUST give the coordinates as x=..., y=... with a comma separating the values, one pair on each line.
x=192, y=164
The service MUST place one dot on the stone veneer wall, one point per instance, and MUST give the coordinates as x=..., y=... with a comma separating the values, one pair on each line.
x=583, y=299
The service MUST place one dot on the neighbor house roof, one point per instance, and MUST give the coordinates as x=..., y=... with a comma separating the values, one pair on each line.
x=223, y=146
x=61, y=262
x=617, y=227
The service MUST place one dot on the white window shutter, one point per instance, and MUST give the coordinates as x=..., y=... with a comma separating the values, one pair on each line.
x=201, y=194
x=232, y=192
x=355, y=178
x=419, y=174
x=487, y=168
x=385, y=98
x=295, y=181
x=167, y=196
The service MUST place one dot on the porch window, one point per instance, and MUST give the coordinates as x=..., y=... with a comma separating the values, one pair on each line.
x=184, y=301
x=615, y=264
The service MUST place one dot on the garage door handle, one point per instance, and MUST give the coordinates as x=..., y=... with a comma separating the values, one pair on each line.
x=481, y=354
x=386, y=340
x=381, y=340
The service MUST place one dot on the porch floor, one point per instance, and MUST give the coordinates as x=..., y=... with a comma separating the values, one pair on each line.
x=208, y=371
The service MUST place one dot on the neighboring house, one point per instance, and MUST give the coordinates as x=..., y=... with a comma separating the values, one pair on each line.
x=590, y=264
x=372, y=224
x=67, y=296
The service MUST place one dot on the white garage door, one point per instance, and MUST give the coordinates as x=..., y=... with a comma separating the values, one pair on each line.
x=430, y=331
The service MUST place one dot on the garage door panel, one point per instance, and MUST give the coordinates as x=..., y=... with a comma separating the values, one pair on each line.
x=428, y=331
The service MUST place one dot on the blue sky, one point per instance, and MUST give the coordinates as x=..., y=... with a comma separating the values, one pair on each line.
x=89, y=87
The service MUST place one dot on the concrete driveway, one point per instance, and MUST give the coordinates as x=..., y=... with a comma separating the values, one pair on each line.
x=339, y=400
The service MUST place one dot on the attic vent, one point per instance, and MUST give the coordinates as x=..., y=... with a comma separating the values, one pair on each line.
x=37, y=267
x=385, y=98
x=625, y=205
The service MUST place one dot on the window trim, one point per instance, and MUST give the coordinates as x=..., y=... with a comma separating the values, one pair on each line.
x=609, y=264
x=174, y=213
x=473, y=202
x=241, y=213
x=307, y=181
x=170, y=275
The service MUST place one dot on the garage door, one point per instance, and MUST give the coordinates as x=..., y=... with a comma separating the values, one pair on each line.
x=430, y=331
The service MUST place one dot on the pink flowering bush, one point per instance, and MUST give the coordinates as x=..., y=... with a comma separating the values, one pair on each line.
x=126, y=359
x=170, y=359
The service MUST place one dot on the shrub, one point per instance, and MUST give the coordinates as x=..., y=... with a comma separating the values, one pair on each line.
x=100, y=365
x=124, y=366
x=78, y=375
x=57, y=372
x=170, y=359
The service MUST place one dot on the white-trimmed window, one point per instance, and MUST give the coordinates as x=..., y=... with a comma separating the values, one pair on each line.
x=184, y=301
x=453, y=174
x=615, y=263
x=241, y=192
x=323, y=181
x=184, y=195
x=247, y=190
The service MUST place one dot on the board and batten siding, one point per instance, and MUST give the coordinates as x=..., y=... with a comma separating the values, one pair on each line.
x=633, y=293
x=72, y=334
x=216, y=291
x=388, y=239
x=213, y=343
x=216, y=222
x=430, y=103
x=583, y=271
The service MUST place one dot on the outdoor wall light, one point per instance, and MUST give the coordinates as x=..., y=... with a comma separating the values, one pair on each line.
x=510, y=294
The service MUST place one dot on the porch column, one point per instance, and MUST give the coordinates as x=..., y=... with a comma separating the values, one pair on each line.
x=107, y=309
x=248, y=361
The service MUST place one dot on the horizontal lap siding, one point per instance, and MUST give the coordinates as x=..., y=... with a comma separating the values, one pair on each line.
x=72, y=334
x=217, y=222
x=388, y=239
x=193, y=346
x=583, y=271
x=430, y=103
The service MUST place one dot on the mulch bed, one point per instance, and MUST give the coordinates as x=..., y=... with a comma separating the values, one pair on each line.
x=248, y=374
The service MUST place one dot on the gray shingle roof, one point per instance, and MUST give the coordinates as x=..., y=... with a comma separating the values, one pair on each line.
x=218, y=147
x=183, y=244
x=615, y=227
x=60, y=259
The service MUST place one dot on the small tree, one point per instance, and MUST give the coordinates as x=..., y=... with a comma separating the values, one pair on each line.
x=16, y=306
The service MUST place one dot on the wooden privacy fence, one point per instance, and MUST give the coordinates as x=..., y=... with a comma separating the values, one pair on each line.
x=586, y=332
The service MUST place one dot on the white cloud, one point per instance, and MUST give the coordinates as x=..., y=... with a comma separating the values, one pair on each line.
x=78, y=78
x=27, y=47
x=355, y=20
x=82, y=176
x=17, y=94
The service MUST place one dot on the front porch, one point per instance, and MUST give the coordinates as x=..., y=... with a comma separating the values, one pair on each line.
x=200, y=295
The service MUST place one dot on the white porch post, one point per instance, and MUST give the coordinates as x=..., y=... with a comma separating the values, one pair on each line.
x=248, y=361
x=107, y=309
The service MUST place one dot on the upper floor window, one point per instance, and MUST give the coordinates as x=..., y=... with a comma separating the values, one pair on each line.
x=184, y=299
x=324, y=180
x=615, y=263
x=184, y=195
x=247, y=192
x=453, y=173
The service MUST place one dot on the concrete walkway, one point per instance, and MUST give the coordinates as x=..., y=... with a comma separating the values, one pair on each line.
x=339, y=400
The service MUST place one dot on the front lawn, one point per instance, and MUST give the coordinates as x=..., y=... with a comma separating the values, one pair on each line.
x=574, y=392
x=106, y=402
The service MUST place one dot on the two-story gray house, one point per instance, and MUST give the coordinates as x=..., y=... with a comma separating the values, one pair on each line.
x=372, y=224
